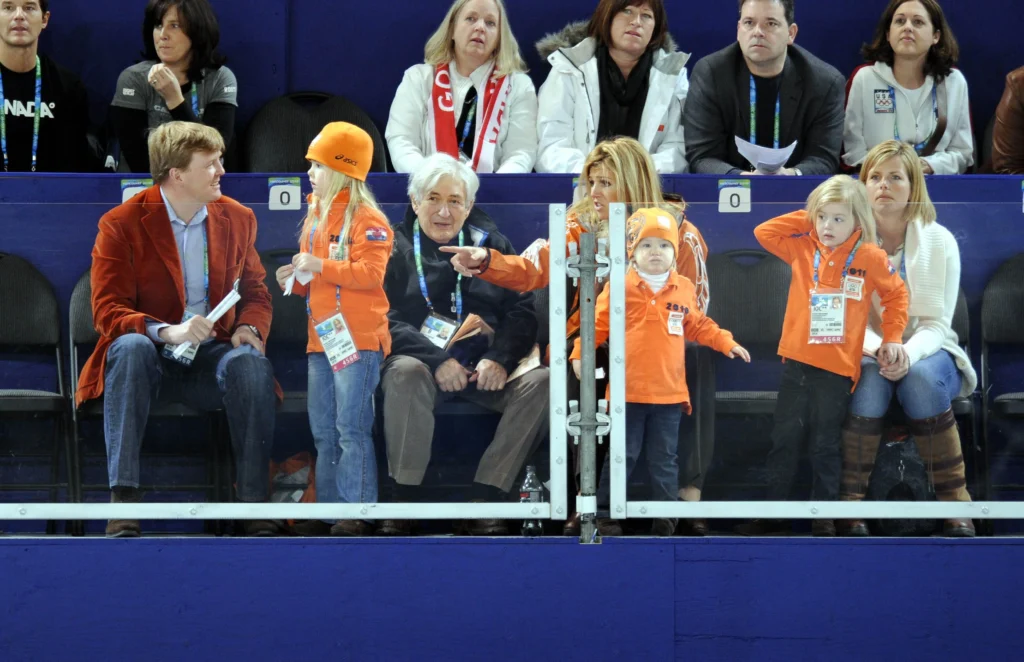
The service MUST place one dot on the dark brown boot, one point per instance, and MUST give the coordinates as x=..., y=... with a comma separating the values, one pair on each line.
x=938, y=442
x=352, y=528
x=823, y=528
x=395, y=527
x=861, y=438
x=124, y=528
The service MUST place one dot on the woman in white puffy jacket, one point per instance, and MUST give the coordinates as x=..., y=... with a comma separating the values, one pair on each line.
x=617, y=75
x=471, y=99
x=911, y=92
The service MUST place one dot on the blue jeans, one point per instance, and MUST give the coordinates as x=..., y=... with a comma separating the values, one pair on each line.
x=925, y=392
x=239, y=380
x=341, y=419
x=654, y=428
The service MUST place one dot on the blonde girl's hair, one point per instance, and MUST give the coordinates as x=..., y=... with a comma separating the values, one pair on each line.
x=360, y=196
x=440, y=48
x=843, y=189
x=920, y=203
x=637, y=182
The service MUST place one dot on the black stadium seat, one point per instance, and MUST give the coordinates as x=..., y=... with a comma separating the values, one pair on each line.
x=278, y=135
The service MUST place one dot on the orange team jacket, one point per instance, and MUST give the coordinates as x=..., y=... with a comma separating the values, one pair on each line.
x=361, y=277
x=792, y=238
x=529, y=271
x=656, y=359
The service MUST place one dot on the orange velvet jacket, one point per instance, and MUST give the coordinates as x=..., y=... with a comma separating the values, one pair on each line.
x=136, y=275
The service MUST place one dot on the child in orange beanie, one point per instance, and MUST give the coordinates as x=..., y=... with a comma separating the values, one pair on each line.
x=345, y=243
x=661, y=311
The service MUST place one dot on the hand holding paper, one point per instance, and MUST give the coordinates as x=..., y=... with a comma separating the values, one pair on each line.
x=298, y=275
x=226, y=304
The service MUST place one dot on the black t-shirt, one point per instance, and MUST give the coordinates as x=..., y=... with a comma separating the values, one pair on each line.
x=63, y=120
x=767, y=95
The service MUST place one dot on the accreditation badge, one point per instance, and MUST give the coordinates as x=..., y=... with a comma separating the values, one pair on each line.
x=828, y=317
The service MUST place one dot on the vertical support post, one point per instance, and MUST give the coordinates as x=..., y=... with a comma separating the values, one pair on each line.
x=617, y=359
x=588, y=395
x=557, y=382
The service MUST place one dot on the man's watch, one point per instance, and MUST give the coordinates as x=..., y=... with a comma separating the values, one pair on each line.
x=255, y=330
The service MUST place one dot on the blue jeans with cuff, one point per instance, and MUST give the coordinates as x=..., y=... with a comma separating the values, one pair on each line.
x=239, y=380
x=341, y=419
x=655, y=429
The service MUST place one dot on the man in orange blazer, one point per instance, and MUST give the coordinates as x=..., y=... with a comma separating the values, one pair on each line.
x=162, y=261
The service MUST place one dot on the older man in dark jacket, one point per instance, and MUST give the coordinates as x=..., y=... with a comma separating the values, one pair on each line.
x=429, y=301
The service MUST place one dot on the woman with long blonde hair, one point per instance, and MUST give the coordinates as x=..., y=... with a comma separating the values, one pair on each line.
x=345, y=244
x=471, y=97
x=617, y=170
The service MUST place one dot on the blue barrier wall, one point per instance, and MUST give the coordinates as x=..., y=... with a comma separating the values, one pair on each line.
x=495, y=600
x=360, y=49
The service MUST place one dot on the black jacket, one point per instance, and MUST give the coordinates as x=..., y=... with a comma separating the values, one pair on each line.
x=717, y=108
x=510, y=313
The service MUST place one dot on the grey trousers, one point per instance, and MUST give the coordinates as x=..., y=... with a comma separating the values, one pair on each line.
x=410, y=394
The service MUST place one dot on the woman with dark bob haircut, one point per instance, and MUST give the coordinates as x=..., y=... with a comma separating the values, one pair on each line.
x=909, y=91
x=617, y=75
x=182, y=77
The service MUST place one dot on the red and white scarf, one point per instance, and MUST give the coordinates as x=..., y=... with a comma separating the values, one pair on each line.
x=489, y=117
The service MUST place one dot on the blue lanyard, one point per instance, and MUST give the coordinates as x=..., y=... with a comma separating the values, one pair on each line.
x=895, y=118
x=849, y=261
x=423, y=280
x=206, y=271
x=195, y=101
x=35, y=123
x=753, y=113
x=337, y=293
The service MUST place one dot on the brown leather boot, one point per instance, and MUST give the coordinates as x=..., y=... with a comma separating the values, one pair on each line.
x=124, y=528
x=938, y=442
x=861, y=438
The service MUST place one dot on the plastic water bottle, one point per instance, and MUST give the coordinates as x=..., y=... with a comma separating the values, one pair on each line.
x=532, y=491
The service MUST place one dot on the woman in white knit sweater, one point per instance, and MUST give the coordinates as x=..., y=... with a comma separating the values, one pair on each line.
x=936, y=369
x=910, y=91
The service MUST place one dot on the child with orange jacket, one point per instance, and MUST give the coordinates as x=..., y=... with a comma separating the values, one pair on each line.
x=661, y=312
x=838, y=267
x=345, y=243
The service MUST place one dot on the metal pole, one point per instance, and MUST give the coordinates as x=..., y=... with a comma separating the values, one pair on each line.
x=557, y=383
x=588, y=395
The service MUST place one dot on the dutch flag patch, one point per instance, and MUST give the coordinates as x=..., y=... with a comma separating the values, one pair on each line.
x=376, y=234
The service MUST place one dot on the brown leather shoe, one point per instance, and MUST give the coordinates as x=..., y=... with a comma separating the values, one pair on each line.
x=958, y=528
x=823, y=528
x=852, y=528
x=261, y=528
x=351, y=528
x=395, y=527
x=483, y=527
x=572, y=526
x=124, y=528
x=607, y=526
x=312, y=528
x=663, y=527
x=765, y=527
x=693, y=527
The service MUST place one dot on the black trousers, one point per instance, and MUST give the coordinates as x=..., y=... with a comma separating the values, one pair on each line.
x=811, y=408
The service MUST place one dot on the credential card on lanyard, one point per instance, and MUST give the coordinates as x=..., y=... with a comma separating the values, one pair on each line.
x=438, y=330
x=337, y=342
x=828, y=317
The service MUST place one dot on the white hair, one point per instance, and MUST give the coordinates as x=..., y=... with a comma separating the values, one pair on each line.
x=437, y=166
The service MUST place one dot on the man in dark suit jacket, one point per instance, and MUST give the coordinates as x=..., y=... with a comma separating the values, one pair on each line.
x=798, y=97
x=162, y=261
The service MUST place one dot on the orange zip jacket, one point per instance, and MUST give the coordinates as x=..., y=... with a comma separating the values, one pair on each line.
x=656, y=359
x=361, y=277
x=792, y=238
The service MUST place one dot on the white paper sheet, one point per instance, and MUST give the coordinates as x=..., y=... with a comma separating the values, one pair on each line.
x=302, y=276
x=765, y=159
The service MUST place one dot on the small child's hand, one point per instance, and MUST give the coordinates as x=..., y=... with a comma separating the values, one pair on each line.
x=577, y=364
x=739, y=352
